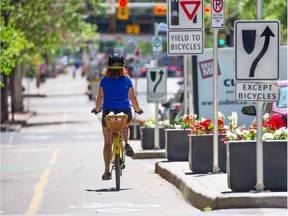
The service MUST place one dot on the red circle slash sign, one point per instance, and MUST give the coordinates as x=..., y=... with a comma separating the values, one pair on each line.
x=217, y=5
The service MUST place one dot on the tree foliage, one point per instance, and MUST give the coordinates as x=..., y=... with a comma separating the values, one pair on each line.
x=246, y=10
x=33, y=27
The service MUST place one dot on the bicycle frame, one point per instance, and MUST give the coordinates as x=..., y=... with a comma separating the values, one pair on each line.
x=116, y=124
x=117, y=147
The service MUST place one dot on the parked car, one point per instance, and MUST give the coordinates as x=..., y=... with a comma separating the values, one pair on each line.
x=173, y=64
x=144, y=68
x=173, y=107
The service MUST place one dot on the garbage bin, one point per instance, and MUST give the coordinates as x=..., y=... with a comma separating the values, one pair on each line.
x=94, y=88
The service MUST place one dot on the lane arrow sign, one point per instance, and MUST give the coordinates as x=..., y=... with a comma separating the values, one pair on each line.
x=191, y=14
x=267, y=33
x=161, y=74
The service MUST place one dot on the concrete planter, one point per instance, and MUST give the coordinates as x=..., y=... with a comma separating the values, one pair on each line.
x=176, y=144
x=131, y=127
x=147, y=138
x=241, y=165
x=201, y=153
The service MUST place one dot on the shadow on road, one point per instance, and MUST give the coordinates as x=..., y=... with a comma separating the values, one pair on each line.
x=107, y=190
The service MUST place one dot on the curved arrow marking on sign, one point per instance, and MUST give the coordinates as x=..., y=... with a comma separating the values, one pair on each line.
x=267, y=33
x=194, y=11
x=155, y=87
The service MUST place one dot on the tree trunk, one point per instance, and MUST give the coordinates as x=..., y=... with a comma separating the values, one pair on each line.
x=16, y=89
x=4, y=100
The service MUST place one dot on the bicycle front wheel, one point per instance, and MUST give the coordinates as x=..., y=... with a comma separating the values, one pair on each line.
x=117, y=171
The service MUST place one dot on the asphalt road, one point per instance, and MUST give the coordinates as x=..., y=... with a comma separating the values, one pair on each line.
x=53, y=166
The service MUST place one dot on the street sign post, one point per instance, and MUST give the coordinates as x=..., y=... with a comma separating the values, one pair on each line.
x=257, y=58
x=156, y=85
x=250, y=91
x=218, y=13
x=257, y=50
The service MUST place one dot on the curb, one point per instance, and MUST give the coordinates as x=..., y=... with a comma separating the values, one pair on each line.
x=148, y=154
x=199, y=195
x=34, y=95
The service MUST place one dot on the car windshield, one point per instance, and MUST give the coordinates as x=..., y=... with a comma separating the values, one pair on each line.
x=282, y=103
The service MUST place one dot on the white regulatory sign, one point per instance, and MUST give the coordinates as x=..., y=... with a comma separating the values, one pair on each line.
x=250, y=91
x=218, y=13
x=185, y=42
x=185, y=14
x=156, y=85
x=257, y=50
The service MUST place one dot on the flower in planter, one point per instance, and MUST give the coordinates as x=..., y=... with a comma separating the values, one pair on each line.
x=233, y=121
x=206, y=126
x=150, y=123
x=185, y=121
x=169, y=124
x=272, y=129
x=162, y=124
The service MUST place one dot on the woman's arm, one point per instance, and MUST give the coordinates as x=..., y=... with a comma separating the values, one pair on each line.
x=133, y=99
x=99, y=99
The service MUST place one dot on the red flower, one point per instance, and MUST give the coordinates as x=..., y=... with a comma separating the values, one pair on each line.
x=206, y=123
x=220, y=122
x=275, y=123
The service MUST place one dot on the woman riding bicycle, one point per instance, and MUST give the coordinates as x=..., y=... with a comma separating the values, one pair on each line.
x=115, y=93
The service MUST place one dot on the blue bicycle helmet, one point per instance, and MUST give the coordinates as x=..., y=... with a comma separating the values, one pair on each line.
x=116, y=61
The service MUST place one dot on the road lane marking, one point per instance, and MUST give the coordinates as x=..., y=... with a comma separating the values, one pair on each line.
x=64, y=121
x=37, y=137
x=115, y=207
x=10, y=140
x=38, y=190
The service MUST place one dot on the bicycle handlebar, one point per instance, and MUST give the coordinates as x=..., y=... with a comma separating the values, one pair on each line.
x=140, y=111
x=95, y=112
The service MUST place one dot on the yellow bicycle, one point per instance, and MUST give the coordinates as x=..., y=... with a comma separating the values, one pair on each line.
x=116, y=124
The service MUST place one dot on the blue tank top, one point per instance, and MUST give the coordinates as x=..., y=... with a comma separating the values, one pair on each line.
x=116, y=93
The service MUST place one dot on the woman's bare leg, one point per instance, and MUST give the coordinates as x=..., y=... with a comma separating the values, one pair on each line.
x=107, y=148
x=126, y=134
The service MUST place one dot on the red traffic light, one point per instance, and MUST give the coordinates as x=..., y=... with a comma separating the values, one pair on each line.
x=123, y=3
x=207, y=9
x=160, y=10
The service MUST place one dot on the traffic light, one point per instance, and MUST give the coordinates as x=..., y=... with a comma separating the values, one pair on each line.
x=207, y=9
x=221, y=39
x=160, y=10
x=132, y=29
x=122, y=10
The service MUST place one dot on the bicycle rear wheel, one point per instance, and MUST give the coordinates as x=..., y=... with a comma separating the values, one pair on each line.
x=117, y=171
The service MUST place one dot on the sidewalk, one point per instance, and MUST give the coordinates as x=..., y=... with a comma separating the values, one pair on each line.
x=201, y=190
x=16, y=121
x=207, y=190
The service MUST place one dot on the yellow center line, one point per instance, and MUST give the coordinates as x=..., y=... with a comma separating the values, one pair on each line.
x=64, y=121
x=38, y=190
